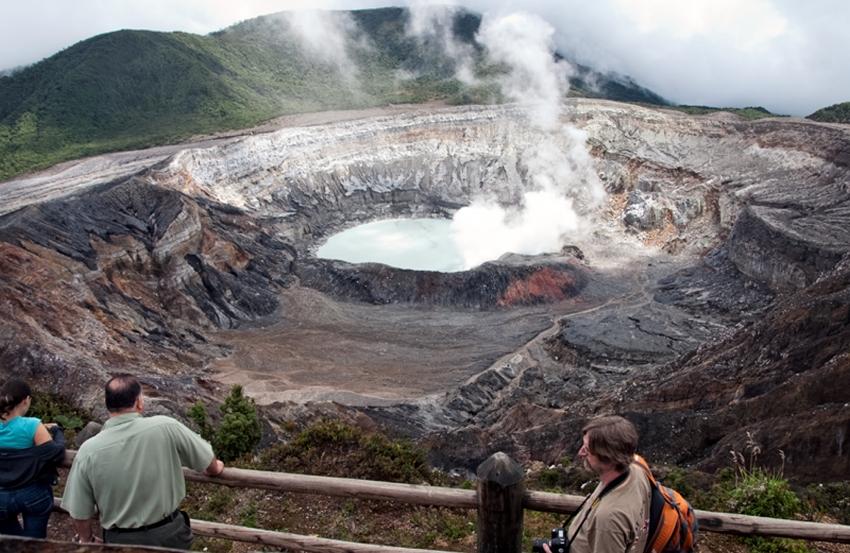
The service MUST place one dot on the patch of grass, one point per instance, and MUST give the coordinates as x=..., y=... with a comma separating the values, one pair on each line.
x=217, y=501
x=212, y=545
x=759, y=544
x=559, y=479
x=456, y=526
x=248, y=516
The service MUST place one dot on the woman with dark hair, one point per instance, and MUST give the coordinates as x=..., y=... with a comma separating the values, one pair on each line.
x=29, y=453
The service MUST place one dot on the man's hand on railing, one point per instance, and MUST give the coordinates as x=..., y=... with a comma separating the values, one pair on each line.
x=215, y=468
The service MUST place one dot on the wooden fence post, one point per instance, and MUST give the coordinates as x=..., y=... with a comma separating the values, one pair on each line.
x=501, y=484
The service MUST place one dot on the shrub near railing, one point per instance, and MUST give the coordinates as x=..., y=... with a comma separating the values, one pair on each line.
x=333, y=448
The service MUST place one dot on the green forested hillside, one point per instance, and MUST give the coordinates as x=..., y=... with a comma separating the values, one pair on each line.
x=749, y=113
x=132, y=89
x=838, y=113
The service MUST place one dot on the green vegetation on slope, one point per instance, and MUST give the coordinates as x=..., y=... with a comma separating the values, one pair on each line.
x=748, y=114
x=838, y=113
x=134, y=89
x=587, y=83
x=129, y=89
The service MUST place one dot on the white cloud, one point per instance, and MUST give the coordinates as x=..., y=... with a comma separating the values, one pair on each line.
x=786, y=55
x=748, y=22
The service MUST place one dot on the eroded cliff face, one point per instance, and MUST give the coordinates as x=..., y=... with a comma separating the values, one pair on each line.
x=704, y=298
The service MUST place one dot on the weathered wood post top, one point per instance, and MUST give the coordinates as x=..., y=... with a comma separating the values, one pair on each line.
x=501, y=484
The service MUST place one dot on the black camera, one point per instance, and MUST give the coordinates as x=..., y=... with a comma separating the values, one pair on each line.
x=558, y=543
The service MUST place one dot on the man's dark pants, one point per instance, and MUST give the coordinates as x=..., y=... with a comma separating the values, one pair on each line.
x=175, y=535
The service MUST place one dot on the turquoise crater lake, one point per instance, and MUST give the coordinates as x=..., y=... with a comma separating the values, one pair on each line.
x=417, y=244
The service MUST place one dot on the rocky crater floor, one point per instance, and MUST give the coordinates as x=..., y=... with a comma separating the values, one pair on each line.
x=704, y=292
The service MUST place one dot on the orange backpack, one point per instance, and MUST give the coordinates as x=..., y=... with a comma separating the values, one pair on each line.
x=673, y=526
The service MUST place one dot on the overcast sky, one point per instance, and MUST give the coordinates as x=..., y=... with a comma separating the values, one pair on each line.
x=789, y=56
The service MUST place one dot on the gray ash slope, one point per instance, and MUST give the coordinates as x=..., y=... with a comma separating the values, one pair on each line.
x=706, y=298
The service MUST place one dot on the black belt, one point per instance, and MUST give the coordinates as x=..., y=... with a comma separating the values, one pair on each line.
x=162, y=522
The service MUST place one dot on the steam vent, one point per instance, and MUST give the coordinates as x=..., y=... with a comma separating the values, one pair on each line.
x=699, y=283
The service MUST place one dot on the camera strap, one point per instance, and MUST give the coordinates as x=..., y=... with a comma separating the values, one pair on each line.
x=611, y=485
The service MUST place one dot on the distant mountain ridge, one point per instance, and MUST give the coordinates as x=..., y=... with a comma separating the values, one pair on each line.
x=133, y=89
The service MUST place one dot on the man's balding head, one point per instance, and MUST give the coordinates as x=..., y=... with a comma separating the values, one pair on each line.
x=122, y=392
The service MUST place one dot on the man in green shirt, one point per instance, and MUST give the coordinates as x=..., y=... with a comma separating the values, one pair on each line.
x=132, y=471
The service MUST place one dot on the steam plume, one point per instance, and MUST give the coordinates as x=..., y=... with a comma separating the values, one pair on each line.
x=434, y=25
x=323, y=34
x=559, y=168
x=523, y=42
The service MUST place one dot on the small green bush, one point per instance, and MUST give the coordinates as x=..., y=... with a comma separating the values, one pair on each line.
x=680, y=480
x=755, y=491
x=56, y=408
x=239, y=431
x=828, y=500
x=759, y=493
x=198, y=414
x=550, y=478
x=325, y=433
x=332, y=447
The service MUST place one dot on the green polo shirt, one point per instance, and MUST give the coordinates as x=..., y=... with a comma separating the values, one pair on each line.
x=132, y=470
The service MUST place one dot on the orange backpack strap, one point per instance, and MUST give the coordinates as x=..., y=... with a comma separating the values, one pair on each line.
x=641, y=462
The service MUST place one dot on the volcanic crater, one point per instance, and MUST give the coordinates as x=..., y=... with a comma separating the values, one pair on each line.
x=704, y=297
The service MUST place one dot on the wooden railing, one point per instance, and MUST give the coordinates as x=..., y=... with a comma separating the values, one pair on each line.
x=500, y=501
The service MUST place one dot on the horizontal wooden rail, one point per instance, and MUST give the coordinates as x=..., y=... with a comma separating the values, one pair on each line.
x=341, y=487
x=558, y=503
x=293, y=541
x=336, y=487
x=744, y=525
x=723, y=523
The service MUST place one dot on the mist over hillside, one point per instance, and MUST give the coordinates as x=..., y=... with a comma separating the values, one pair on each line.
x=133, y=89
